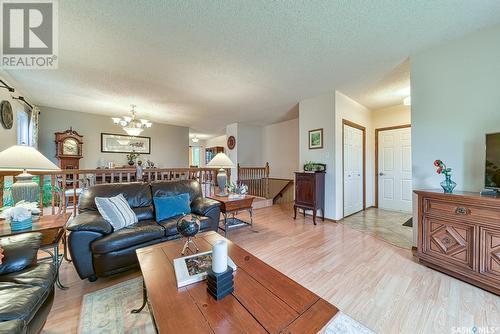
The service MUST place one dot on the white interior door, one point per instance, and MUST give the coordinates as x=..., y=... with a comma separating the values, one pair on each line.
x=394, y=165
x=353, y=170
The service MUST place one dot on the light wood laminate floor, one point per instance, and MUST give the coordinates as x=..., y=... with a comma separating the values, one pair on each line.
x=376, y=283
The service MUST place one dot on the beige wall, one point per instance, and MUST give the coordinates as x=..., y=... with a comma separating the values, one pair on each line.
x=391, y=116
x=280, y=147
x=314, y=113
x=455, y=102
x=169, y=144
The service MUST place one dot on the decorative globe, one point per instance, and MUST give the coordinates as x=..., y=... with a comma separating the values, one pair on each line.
x=188, y=226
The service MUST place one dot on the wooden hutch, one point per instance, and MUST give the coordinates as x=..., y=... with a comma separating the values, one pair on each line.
x=459, y=234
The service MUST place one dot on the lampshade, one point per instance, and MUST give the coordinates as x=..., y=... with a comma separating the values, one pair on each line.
x=21, y=157
x=221, y=161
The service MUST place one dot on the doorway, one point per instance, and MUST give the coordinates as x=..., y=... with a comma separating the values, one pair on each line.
x=354, y=167
x=393, y=168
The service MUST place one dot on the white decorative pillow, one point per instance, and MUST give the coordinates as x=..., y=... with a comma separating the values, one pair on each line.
x=116, y=211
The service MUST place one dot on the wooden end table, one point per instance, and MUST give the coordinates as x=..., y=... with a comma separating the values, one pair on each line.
x=230, y=205
x=53, y=231
x=264, y=300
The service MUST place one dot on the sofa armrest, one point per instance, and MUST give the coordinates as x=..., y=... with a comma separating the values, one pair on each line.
x=16, y=326
x=90, y=221
x=19, y=251
x=201, y=206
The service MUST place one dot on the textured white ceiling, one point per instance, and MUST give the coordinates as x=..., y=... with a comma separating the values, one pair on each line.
x=205, y=64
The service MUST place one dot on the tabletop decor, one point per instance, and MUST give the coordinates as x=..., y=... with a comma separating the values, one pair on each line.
x=221, y=161
x=25, y=158
x=132, y=157
x=220, y=277
x=193, y=268
x=21, y=215
x=188, y=226
x=448, y=184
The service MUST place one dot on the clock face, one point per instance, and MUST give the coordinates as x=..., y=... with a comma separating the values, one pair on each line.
x=6, y=115
x=70, y=147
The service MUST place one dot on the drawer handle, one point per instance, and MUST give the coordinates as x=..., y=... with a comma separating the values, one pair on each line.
x=462, y=211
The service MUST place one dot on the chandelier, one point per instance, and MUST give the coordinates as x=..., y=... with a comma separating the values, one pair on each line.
x=131, y=125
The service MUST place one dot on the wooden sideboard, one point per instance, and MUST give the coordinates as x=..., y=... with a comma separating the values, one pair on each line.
x=310, y=193
x=459, y=234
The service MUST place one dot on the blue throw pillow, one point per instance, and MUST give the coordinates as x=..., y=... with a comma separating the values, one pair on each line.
x=170, y=206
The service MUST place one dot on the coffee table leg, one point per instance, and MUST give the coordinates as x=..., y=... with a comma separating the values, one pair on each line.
x=225, y=224
x=57, y=263
x=144, y=299
x=250, y=211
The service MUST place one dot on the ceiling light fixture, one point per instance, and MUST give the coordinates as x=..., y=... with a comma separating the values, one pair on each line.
x=407, y=101
x=195, y=139
x=131, y=125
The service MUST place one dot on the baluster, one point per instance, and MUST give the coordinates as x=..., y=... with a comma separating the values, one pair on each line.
x=112, y=177
x=40, y=203
x=64, y=192
x=120, y=177
x=128, y=177
x=75, y=180
x=53, y=193
x=2, y=184
x=156, y=176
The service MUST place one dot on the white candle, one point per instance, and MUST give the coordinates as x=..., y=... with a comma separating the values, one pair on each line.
x=219, y=257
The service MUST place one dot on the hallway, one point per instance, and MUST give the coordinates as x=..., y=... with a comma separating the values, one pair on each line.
x=383, y=224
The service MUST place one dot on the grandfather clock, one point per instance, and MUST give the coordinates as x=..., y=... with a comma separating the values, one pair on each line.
x=69, y=149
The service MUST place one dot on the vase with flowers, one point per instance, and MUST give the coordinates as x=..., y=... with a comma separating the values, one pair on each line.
x=448, y=184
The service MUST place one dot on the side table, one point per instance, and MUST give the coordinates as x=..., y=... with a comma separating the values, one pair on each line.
x=53, y=231
x=232, y=204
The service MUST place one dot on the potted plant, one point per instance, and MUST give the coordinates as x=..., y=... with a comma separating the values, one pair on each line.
x=131, y=157
x=448, y=184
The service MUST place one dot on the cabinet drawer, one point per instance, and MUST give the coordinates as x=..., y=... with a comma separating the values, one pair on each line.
x=489, y=262
x=450, y=242
x=457, y=210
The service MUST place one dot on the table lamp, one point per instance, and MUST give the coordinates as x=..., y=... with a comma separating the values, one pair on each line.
x=221, y=161
x=24, y=158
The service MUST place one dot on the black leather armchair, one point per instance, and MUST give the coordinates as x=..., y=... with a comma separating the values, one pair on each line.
x=26, y=287
x=98, y=251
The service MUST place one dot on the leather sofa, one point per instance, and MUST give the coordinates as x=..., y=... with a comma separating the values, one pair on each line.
x=26, y=287
x=99, y=251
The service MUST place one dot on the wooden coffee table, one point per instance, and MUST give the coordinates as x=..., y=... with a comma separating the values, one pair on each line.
x=264, y=300
x=230, y=205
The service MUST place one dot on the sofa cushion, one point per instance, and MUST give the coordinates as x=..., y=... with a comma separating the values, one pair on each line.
x=116, y=211
x=138, y=195
x=135, y=234
x=19, y=251
x=42, y=275
x=170, y=224
x=20, y=301
x=173, y=188
x=171, y=206
x=17, y=326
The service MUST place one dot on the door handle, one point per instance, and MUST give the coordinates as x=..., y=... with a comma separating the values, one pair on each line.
x=381, y=174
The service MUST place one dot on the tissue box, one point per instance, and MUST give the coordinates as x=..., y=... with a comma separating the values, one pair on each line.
x=21, y=225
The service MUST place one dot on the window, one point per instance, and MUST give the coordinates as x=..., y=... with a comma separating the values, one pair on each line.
x=24, y=131
x=194, y=156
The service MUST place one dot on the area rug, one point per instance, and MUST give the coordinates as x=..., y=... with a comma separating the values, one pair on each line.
x=108, y=310
x=343, y=324
x=409, y=223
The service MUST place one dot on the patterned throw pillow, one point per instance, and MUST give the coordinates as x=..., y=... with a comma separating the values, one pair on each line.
x=116, y=211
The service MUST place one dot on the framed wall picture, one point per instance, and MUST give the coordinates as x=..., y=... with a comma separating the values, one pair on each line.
x=113, y=143
x=315, y=139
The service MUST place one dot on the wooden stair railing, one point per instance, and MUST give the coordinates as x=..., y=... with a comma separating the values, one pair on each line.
x=68, y=182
